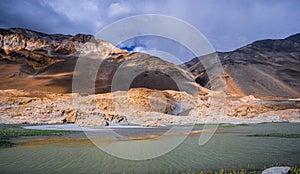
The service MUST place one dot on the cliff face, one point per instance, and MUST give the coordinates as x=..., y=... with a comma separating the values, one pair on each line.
x=263, y=68
x=31, y=60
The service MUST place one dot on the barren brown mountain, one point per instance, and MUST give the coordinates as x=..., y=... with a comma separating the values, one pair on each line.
x=36, y=61
x=263, y=68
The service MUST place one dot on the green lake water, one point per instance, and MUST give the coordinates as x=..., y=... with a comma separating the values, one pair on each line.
x=230, y=147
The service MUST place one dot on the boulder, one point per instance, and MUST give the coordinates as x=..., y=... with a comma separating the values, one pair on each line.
x=277, y=170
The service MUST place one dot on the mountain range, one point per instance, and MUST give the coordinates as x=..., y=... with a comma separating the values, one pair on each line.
x=36, y=61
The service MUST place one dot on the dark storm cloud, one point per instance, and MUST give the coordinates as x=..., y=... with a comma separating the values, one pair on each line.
x=227, y=24
x=33, y=14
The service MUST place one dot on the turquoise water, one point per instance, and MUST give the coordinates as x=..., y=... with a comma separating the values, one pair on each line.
x=229, y=148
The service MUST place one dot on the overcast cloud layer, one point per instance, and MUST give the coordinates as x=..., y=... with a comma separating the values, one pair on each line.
x=227, y=24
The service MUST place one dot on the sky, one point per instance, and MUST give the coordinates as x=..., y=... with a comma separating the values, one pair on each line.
x=227, y=24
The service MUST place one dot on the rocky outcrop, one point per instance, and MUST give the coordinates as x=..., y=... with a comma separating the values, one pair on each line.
x=140, y=106
x=263, y=68
x=37, y=51
x=250, y=107
x=101, y=110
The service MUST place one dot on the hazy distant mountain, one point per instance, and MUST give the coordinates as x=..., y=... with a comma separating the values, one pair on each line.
x=263, y=68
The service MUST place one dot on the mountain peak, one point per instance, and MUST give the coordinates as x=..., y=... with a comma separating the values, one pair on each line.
x=291, y=43
x=295, y=37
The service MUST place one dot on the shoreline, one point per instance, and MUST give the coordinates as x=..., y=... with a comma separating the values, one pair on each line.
x=75, y=127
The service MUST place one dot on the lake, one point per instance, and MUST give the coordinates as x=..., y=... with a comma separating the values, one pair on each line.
x=230, y=147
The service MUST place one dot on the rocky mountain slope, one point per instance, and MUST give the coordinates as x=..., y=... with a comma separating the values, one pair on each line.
x=36, y=61
x=263, y=68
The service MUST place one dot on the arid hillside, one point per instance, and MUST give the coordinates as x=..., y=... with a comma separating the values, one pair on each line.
x=36, y=61
x=263, y=68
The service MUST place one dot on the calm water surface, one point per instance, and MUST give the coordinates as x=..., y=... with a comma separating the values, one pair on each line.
x=229, y=148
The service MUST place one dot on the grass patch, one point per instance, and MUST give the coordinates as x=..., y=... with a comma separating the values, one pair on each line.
x=6, y=143
x=231, y=171
x=17, y=131
x=281, y=135
x=220, y=125
x=7, y=132
x=294, y=170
